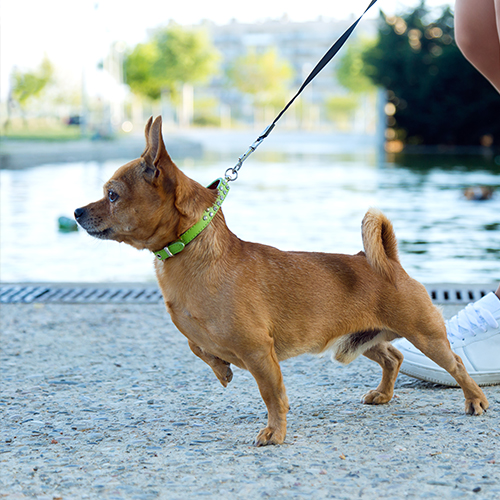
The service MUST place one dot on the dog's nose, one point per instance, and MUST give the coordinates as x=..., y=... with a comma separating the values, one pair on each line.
x=79, y=212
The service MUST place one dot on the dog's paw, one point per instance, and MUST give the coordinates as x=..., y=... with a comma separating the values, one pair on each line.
x=269, y=436
x=476, y=406
x=226, y=378
x=375, y=398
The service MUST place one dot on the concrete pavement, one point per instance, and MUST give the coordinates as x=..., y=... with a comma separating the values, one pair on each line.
x=106, y=401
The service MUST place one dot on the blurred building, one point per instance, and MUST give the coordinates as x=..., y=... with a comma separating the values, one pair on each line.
x=301, y=44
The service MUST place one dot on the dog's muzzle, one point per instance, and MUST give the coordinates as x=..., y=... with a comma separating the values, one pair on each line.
x=91, y=224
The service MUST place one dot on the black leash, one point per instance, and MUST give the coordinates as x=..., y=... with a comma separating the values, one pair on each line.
x=232, y=173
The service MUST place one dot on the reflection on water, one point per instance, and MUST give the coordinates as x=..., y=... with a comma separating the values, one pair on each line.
x=313, y=202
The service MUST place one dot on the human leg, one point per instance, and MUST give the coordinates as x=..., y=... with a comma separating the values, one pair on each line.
x=477, y=33
x=474, y=333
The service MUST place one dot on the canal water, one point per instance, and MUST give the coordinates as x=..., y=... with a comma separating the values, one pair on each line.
x=311, y=201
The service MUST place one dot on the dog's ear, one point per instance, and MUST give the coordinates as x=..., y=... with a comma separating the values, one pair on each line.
x=146, y=133
x=150, y=172
x=155, y=155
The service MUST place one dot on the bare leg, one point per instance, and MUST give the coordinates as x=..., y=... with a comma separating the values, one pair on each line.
x=221, y=368
x=390, y=359
x=477, y=33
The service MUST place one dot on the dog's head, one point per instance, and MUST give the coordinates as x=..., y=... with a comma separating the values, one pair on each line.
x=148, y=202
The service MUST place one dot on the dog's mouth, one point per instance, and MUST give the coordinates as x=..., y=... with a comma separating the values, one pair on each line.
x=105, y=234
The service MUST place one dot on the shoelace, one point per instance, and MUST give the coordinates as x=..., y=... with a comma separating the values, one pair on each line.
x=468, y=321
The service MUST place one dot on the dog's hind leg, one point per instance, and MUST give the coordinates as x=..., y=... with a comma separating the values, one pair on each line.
x=390, y=359
x=221, y=368
x=433, y=342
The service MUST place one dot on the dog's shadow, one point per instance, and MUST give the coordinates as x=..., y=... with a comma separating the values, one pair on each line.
x=406, y=382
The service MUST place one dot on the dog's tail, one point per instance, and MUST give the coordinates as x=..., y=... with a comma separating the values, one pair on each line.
x=379, y=241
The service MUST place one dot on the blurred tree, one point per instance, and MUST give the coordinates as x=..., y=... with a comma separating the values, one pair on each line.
x=31, y=83
x=340, y=109
x=138, y=72
x=174, y=56
x=264, y=76
x=349, y=73
x=435, y=95
x=349, y=70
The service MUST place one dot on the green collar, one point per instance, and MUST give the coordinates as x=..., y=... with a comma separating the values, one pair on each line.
x=178, y=246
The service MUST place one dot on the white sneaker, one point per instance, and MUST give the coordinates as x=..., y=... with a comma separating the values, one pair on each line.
x=474, y=334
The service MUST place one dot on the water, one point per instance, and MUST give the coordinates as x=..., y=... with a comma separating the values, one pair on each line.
x=312, y=202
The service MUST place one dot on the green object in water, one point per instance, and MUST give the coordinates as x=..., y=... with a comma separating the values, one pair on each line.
x=66, y=225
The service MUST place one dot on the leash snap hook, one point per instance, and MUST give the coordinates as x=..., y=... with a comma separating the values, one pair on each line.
x=232, y=173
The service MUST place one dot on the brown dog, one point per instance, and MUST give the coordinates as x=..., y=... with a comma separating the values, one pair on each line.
x=253, y=305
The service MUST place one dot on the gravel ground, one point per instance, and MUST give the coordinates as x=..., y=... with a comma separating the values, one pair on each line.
x=108, y=402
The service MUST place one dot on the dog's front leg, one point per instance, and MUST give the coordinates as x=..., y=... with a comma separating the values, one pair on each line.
x=265, y=368
x=221, y=368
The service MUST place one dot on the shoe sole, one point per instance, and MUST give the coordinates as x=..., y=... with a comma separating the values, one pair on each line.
x=481, y=379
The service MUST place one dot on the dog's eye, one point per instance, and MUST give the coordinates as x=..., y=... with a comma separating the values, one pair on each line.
x=112, y=196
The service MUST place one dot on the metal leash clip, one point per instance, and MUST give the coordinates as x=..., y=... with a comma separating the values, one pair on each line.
x=232, y=173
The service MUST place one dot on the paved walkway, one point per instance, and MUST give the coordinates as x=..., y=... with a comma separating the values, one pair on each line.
x=108, y=402
x=16, y=154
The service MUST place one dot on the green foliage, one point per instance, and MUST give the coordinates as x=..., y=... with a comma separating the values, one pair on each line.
x=438, y=97
x=350, y=72
x=173, y=56
x=263, y=75
x=345, y=105
x=40, y=129
x=340, y=109
x=31, y=83
x=206, y=112
x=138, y=71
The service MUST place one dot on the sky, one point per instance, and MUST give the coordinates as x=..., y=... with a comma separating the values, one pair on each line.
x=75, y=33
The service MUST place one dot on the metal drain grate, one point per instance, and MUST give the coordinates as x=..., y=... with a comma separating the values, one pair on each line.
x=457, y=294
x=86, y=294
x=150, y=294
